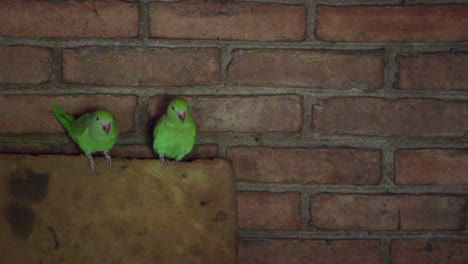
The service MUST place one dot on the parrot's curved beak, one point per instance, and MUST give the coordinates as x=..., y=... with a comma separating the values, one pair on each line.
x=106, y=127
x=181, y=115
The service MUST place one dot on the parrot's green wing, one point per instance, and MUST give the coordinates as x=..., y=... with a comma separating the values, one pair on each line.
x=79, y=126
x=93, y=132
x=65, y=119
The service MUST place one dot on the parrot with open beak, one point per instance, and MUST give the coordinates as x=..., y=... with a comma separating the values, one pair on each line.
x=93, y=132
x=174, y=134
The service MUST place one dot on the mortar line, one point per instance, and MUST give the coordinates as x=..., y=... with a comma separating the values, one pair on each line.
x=240, y=44
x=305, y=210
x=140, y=114
x=226, y=59
x=388, y=166
x=455, y=191
x=312, y=195
x=228, y=91
x=307, y=118
x=343, y=3
x=385, y=249
x=351, y=234
x=352, y=3
x=391, y=68
x=295, y=2
x=311, y=21
x=143, y=20
x=465, y=214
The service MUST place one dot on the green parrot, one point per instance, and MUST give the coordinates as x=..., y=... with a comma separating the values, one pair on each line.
x=93, y=132
x=174, y=134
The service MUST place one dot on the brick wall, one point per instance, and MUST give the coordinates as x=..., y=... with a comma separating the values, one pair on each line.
x=346, y=121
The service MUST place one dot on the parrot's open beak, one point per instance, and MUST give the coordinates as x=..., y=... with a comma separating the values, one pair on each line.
x=106, y=127
x=181, y=115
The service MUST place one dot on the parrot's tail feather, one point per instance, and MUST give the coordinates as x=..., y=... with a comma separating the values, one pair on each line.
x=62, y=116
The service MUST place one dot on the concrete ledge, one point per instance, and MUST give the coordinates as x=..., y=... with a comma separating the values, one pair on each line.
x=55, y=210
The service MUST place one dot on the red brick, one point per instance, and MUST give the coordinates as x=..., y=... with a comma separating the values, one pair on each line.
x=33, y=113
x=306, y=68
x=26, y=148
x=431, y=212
x=224, y=20
x=429, y=252
x=349, y=211
x=282, y=113
x=204, y=151
x=280, y=251
x=68, y=19
x=264, y=210
x=306, y=166
x=392, y=23
x=432, y=167
x=19, y=64
x=443, y=71
x=387, y=212
x=151, y=66
x=391, y=117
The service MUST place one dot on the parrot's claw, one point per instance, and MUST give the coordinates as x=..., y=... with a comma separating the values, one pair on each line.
x=91, y=161
x=108, y=158
x=163, y=161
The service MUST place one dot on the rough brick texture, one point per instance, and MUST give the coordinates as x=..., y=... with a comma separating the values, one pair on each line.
x=385, y=212
x=20, y=64
x=299, y=165
x=345, y=122
x=432, y=167
x=387, y=23
x=224, y=20
x=307, y=68
x=240, y=114
x=263, y=210
x=387, y=117
x=429, y=252
x=442, y=71
x=33, y=113
x=68, y=19
x=280, y=251
x=152, y=66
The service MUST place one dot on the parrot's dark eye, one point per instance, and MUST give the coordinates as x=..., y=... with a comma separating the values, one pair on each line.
x=97, y=118
x=173, y=108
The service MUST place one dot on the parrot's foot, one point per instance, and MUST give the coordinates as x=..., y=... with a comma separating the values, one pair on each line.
x=163, y=161
x=91, y=161
x=108, y=158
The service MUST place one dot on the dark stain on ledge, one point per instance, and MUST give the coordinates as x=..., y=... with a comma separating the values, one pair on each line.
x=28, y=186
x=21, y=219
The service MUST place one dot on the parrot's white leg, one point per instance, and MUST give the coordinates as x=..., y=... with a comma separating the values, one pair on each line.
x=91, y=160
x=108, y=158
x=163, y=160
